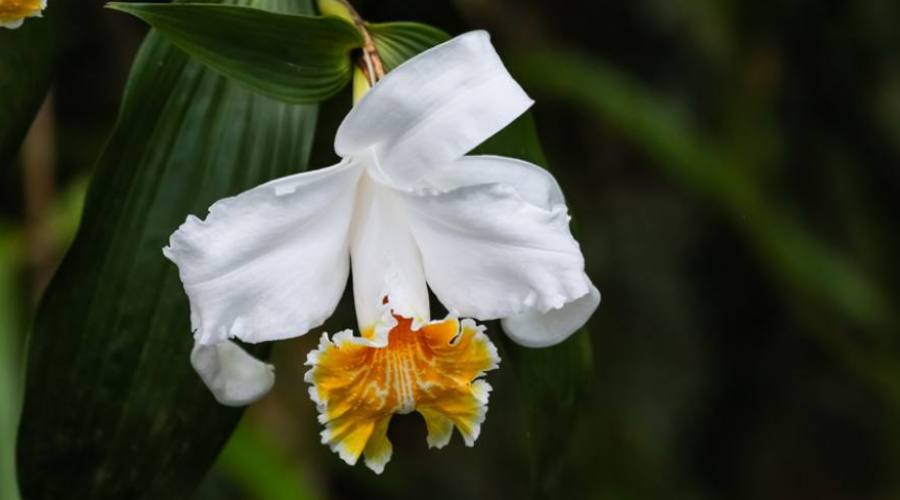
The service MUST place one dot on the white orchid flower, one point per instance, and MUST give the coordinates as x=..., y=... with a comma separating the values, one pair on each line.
x=407, y=210
x=14, y=12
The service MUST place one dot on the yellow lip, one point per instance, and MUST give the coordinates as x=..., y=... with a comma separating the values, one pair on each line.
x=13, y=11
x=434, y=370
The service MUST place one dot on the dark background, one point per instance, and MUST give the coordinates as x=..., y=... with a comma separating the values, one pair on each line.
x=732, y=170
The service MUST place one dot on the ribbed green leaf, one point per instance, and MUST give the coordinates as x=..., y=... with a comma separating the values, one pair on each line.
x=294, y=58
x=398, y=41
x=26, y=62
x=552, y=379
x=112, y=407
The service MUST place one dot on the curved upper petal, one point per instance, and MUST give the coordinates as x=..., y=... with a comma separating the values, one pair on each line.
x=271, y=262
x=535, y=329
x=490, y=253
x=385, y=259
x=433, y=108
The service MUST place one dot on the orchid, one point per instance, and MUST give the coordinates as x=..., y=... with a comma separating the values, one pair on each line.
x=14, y=12
x=407, y=210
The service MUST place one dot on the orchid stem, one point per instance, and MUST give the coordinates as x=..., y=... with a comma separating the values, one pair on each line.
x=370, y=62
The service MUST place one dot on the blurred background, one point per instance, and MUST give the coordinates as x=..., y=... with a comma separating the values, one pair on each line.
x=732, y=170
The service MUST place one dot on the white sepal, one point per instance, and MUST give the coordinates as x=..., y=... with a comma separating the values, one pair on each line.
x=269, y=263
x=489, y=253
x=535, y=329
x=233, y=376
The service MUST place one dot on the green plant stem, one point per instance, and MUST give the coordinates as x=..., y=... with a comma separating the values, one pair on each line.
x=370, y=60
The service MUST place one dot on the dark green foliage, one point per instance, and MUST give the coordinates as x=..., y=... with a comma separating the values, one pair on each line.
x=294, y=58
x=732, y=170
x=398, y=41
x=113, y=408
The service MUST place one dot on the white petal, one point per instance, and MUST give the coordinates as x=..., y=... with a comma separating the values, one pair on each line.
x=534, y=184
x=434, y=108
x=234, y=377
x=385, y=259
x=273, y=261
x=489, y=253
x=534, y=329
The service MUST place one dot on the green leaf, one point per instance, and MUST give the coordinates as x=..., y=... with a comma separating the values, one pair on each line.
x=112, y=406
x=396, y=42
x=293, y=58
x=26, y=63
x=552, y=380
